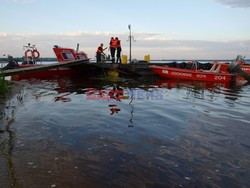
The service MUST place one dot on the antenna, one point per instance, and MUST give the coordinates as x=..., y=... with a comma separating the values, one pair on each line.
x=77, y=47
x=130, y=38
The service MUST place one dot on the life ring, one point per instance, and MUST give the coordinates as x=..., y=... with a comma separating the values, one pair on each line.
x=28, y=56
x=35, y=54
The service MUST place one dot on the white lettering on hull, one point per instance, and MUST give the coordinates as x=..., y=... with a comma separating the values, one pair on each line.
x=201, y=76
x=181, y=74
x=165, y=71
x=219, y=77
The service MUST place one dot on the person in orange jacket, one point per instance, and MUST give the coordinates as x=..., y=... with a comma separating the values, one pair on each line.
x=112, y=47
x=119, y=49
x=99, y=53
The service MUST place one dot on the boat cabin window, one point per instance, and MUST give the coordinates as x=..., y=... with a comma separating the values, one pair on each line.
x=79, y=57
x=68, y=56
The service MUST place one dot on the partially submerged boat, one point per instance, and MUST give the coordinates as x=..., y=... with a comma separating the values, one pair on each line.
x=69, y=63
x=69, y=54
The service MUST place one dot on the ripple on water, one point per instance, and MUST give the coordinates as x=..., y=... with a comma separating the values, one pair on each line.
x=190, y=136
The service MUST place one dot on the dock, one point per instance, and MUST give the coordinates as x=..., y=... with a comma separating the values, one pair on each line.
x=131, y=69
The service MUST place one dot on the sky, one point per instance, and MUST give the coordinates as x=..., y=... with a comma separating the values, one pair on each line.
x=164, y=29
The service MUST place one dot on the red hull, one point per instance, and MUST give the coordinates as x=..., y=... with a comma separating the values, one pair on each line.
x=187, y=74
x=244, y=67
x=47, y=74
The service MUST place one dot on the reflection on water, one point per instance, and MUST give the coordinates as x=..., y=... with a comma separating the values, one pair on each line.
x=8, y=174
x=155, y=133
x=131, y=124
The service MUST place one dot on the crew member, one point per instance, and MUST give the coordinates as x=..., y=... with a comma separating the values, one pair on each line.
x=112, y=47
x=99, y=53
x=119, y=49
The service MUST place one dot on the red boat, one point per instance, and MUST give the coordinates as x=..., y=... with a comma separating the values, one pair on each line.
x=215, y=74
x=63, y=55
x=240, y=60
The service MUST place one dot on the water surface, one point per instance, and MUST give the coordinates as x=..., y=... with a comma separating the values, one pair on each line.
x=159, y=133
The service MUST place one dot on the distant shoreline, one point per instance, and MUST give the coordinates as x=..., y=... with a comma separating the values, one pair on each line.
x=4, y=60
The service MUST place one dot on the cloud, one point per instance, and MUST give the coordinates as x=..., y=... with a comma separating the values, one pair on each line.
x=236, y=3
x=159, y=46
x=3, y=34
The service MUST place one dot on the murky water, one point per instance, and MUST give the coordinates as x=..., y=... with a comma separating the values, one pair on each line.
x=73, y=132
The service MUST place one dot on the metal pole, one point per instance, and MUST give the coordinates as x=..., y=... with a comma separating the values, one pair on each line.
x=130, y=38
x=130, y=45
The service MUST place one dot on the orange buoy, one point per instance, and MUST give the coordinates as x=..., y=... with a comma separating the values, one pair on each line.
x=35, y=54
x=28, y=54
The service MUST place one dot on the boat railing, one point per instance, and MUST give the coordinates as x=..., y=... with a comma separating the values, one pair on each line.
x=212, y=68
x=217, y=70
x=194, y=65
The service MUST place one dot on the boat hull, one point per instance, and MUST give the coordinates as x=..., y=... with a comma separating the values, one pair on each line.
x=186, y=74
x=51, y=73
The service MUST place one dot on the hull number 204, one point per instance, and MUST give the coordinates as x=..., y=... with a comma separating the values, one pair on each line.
x=220, y=77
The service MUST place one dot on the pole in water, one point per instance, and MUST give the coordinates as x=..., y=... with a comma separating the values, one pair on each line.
x=130, y=38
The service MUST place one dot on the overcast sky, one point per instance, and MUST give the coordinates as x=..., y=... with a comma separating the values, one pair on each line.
x=165, y=29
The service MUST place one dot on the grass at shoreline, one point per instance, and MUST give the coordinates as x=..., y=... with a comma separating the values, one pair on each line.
x=3, y=85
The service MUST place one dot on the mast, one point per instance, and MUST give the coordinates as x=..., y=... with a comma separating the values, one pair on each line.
x=130, y=38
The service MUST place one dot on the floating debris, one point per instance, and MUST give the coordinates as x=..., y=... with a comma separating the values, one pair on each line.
x=187, y=178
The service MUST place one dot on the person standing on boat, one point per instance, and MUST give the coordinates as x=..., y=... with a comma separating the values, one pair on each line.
x=99, y=53
x=112, y=47
x=119, y=49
